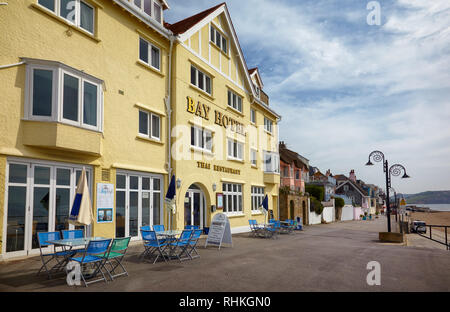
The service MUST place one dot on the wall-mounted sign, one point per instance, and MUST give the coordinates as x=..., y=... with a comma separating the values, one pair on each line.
x=205, y=165
x=203, y=111
x=219, y=200
x=105, y=202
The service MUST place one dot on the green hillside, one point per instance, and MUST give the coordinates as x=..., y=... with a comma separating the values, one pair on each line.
x=430, y=197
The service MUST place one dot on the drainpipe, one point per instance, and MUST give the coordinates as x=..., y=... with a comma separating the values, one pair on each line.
x=11, y=65
x=168, y=101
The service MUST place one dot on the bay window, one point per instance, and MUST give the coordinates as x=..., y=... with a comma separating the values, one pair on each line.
x=271, y=162
x=56, y=92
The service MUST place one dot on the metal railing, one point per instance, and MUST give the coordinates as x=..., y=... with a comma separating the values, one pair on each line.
x=446, y=243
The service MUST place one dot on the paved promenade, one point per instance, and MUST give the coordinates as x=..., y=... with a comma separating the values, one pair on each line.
x=326, y=257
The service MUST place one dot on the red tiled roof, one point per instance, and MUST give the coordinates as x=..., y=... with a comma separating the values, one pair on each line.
x=186, y=24
x=252, y=70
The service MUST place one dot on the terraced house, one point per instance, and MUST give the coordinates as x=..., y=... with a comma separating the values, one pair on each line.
x=110, y=87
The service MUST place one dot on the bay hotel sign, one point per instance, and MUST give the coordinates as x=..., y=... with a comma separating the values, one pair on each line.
x=203, y=111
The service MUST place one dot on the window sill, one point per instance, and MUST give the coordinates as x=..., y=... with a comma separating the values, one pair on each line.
x=140, y=137
x=234, y=214
x=234, y=110
x=201, y=151
x=146, y=66
x=63, y=21
x=202, y=92
x=254, y=166
x=235, y=160
x=270, y=133
x=219, y=49
x=256, y=213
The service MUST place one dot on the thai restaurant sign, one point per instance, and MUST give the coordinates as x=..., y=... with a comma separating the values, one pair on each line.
x=204, y=111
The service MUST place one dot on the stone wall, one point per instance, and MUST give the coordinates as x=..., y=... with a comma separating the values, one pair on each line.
x=293, y=205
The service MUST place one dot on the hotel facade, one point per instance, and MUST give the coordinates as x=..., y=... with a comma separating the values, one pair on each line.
x=108, y=86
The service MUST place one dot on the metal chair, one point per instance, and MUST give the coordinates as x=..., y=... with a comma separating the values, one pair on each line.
x=191, y=227
x=158, y=228
x=254, y=227
x=146, y=228
x=93, y=256
x=152, y=245
x=114, y=256
x=182, y=244
x=61, y=257
x=191, y=248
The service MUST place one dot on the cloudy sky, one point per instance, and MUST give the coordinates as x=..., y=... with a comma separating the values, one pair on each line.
x=345, y=88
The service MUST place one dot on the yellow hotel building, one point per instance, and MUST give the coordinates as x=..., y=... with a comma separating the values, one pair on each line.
x=110, y=87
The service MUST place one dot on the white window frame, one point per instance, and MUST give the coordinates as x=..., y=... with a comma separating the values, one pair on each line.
x=152, y=9
x=57, y=94
x=150, y=46
x=257, y=196
x=140, y=191
x=229, y=192
x=253, y=116
x=213, y=33
x=253, y=157
x=149, y=134
x=268, y=125
x=271, y=162
x=197, y=71
x=198, y=131
x=235, y=150
x=77, y=16
x=234, y=100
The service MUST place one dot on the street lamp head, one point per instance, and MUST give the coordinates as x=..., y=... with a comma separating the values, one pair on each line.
x=369, y=163
x=405, y=176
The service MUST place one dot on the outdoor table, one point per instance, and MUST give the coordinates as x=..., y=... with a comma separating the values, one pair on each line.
x=170, y=237
x=72, y=242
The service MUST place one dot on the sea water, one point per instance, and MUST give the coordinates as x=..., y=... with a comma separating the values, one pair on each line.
x=435, y=207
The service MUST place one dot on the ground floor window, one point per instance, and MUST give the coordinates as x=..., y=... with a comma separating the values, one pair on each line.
x=38, y=198
x=232, y=198
x=257, y=197
x=138, y=202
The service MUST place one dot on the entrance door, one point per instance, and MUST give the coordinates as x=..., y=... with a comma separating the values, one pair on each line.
x=38, y=198
x=194, y=207
x=138, y=202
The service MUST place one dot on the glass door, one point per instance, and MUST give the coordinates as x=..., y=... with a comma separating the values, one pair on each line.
x=194, y=208
x=38, y=198
x=17, y=209
x=138, y=203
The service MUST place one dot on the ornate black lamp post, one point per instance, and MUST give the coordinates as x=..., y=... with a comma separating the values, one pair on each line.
x=395, y=203
x=394, y=170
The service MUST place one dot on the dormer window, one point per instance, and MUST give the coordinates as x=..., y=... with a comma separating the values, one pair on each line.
x=257, y=91
x=151, y=8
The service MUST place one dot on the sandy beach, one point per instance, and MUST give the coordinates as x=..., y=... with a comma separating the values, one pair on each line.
x=433, y=218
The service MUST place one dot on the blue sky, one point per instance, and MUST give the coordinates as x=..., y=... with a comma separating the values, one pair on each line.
x=345, y=88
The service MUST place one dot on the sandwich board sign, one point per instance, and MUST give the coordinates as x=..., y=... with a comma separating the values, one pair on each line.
x=219, y=231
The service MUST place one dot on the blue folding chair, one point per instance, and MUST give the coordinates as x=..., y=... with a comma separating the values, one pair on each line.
x=158, y=228
x=191, y=227
x=93, y=257
x=61, y=257
x=193, y=244
x=146, y=228
x=114, y=256
x=152, y=245
x=181, y=244
x=254, y=227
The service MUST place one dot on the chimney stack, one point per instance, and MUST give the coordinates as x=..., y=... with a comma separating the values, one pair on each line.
x=352, y=176
x=328, y=173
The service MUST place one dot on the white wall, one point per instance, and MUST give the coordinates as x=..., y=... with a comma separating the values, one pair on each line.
x=314, y=218
x=347, y=213
x=327, y=214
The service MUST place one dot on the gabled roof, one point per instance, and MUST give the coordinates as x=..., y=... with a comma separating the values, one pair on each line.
x=184, y=25
x=355, y=186
x=255, y=72
x=288, y=156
